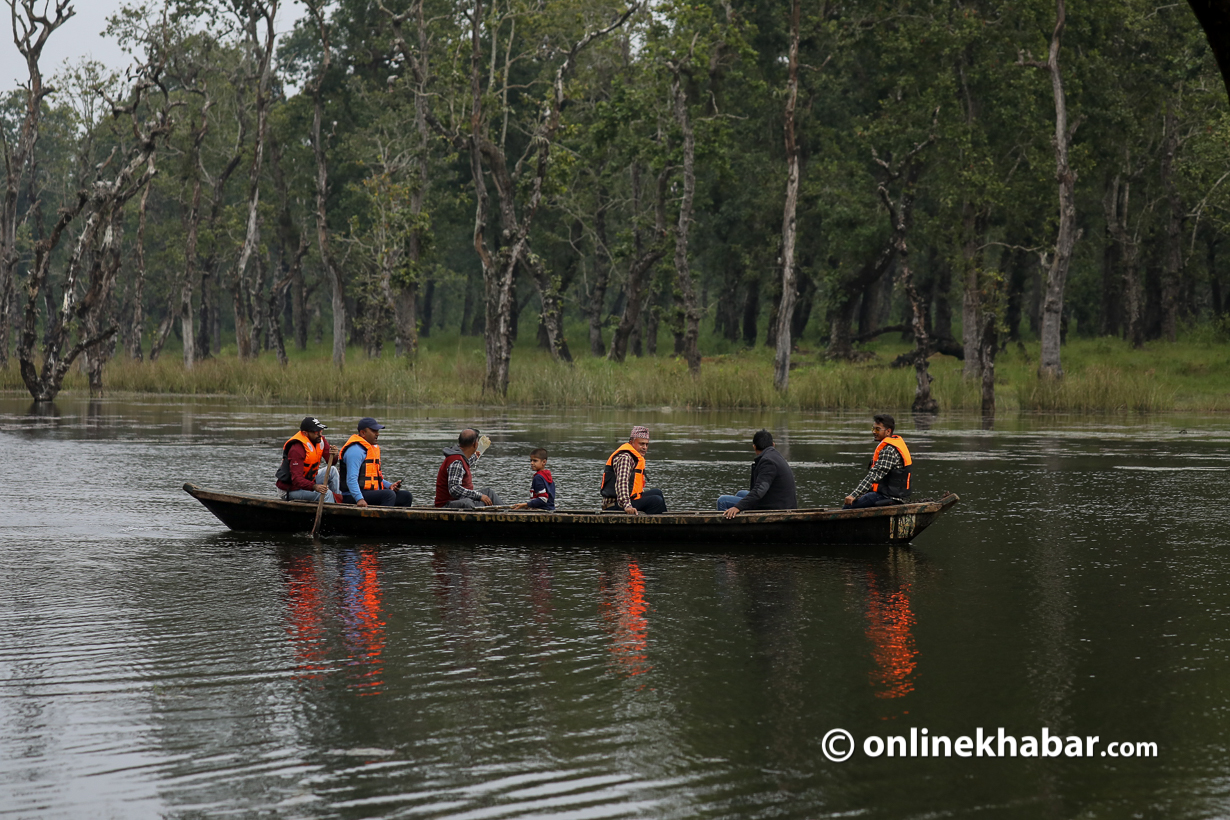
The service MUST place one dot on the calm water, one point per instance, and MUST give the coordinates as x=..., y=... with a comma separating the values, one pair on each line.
x=154, y=665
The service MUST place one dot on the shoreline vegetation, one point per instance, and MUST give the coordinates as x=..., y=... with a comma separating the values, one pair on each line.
x=1101, y=375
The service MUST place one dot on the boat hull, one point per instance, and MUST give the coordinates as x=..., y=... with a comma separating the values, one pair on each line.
x=878, y=525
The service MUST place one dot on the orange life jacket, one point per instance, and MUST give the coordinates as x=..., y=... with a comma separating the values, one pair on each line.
x=312, y=454
x=607, y=489
x=371, y=478
x=896, y=482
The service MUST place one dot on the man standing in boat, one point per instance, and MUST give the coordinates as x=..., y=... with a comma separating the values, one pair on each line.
x=772, y=485
x=455, y=478
x=300, y=476
x=623, y=479
x=363, y=479
x=888, y=480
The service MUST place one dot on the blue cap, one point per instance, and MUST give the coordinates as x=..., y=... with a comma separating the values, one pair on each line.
x=369, y=423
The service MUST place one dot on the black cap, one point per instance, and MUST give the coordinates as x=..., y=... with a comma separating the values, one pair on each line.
x=311, y=424
x=369, y=423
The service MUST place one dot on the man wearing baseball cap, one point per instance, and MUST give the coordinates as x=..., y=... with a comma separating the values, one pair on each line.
x=363, y=480
x=623, y=479
x=300, y=475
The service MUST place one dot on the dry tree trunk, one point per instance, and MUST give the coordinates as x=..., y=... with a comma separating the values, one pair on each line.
x=105, y=269
x=550, y=291
x=94, y=262
x=210, y=337
x=901, y=216
x=986, y=353
x=499, y=269
x=971, y=298
x=1174, y=227
x=643, y=261
x=277, y=299
x=405, y=317
x=602, y=272
x=1128, y=252
x=1112, y=296
x=406, y=304
x=332, y=273
x=688, y=324
x=247, y=311
x=499, y=288
x=1052, y=306
x=138, y=313
x=781, y=364
x=31, y=30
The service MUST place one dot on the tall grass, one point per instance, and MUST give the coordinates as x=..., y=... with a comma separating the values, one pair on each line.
x=1101, y=375
x=1097, y=389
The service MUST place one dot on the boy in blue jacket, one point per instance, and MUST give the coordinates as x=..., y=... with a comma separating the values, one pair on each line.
x=542, y=490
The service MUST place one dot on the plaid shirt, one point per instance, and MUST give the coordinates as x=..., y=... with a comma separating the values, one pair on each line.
x=889, y=459
x=623, y=465
x=457, y=475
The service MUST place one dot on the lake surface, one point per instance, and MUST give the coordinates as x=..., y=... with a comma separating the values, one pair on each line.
x=153, y=664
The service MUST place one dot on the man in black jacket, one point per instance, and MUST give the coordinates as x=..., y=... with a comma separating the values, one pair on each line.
x=772, y=482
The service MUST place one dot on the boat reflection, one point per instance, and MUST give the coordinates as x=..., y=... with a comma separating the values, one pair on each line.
x=890, y=622
x=542, y=579
x=354, y=610
x=305, y=613
x=362, y=619
x=624, y=611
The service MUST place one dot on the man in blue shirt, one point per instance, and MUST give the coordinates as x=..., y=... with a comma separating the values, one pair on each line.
x=363, y=480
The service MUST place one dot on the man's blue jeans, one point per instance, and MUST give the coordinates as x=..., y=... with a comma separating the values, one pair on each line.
x=383, y=498
x=874, y=500
x=312, y=495
x=725, y=502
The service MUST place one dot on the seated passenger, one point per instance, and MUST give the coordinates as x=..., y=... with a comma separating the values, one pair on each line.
x=299, y=476
x=888, y=478
x=362, y=476
x=542, y=488
x=772, y=482
x=623, y=478
x=455, y=478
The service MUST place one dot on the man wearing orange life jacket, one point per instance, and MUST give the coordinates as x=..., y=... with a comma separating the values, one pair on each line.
x=623, y=479
x=362, y=477
x=304, y=473
x=888, y=480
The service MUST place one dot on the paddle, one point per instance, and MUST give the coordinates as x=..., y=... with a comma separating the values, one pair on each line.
x=320, y=504
x=483, y=443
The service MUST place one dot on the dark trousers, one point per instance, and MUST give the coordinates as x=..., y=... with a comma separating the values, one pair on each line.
x=651, y=502
x=384, y=498
x=874, y=500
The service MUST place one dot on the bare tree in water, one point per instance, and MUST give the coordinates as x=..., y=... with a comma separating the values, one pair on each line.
x=83, y=321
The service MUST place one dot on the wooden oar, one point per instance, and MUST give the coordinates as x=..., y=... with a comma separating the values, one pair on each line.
x=320, y=505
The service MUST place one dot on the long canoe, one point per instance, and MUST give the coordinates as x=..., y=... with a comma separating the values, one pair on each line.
x=898, y=524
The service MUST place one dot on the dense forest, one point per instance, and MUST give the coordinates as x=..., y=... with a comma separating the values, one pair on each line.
x=964, y=173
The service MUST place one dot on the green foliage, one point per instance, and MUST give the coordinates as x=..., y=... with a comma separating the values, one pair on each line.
x=878, y=79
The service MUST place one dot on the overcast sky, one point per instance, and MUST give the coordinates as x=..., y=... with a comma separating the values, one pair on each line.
x=79, y=37
x=82, y=37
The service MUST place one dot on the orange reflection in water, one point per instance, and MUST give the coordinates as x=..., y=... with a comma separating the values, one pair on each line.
x=362, y=621
x=624, y=610
x=305, y=616
x=312, y=615
x=889, y=628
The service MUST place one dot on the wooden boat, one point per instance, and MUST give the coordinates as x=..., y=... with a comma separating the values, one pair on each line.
x=877, y=525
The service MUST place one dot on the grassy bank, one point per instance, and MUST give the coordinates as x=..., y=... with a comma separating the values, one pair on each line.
x=1102, y=375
